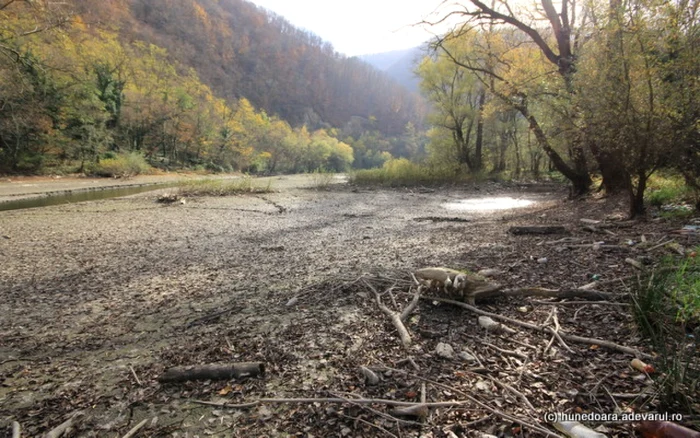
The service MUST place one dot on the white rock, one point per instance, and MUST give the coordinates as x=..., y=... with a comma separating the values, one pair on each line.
x=445, y=350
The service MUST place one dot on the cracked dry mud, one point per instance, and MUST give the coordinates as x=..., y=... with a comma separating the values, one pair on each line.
x=97, y=299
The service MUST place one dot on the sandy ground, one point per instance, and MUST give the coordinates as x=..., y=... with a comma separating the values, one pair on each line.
x=97, y=299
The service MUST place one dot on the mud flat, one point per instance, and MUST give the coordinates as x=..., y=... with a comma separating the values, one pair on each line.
x=99, y=298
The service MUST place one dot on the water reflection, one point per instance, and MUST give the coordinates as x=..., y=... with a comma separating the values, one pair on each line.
x=487, y=204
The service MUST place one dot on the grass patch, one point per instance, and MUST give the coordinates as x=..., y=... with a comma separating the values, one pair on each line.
x=402, y=172
x=667, y=311
x=667, y=189
x=223, y=187
x=322, y=179
x=120, y=166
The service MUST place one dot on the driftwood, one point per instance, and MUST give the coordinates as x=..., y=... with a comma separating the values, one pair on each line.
x=551, y=229
x=212, y=372
x=464, y=286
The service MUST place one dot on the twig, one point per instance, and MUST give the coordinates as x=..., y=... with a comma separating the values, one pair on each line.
x=411, y=361
x=557, y=328
x=335, y=400
x=376, y=426
x=573, y=338
x=514, y=391
x=478, y=403
x=378, y=413
x=506, y=352
x=135, y=376
x=577, y=303
x=135, y=429
x=394, y=316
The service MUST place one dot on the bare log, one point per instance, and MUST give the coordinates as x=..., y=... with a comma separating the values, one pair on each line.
x=16, y=430
x=212, y=372
x=551, y=229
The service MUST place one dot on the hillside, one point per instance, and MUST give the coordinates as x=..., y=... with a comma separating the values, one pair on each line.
x=215, y=84
x=400, y=65
x=242, y=50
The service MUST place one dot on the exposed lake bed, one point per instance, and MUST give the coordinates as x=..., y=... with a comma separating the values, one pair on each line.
x=98, y=298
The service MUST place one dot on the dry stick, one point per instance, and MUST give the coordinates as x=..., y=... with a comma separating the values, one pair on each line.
x=577, y=303
x=379, y=413
x=337, y=400
x=410, y=361
x=394, y=316
x=376, y=426
x=135, y=429
x=514, y=391
x=506, y=352
x=573, y=338
x=16, y=430
x=557, y=328
x=135, y=376
x=478, y=403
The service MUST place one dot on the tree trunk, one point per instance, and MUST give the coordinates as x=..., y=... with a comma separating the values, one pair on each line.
x=580, y=180
x=637, y=207
x=478, y=162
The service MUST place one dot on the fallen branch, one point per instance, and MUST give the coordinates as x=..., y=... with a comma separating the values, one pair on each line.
x=572, y=338
x=586, y=294
x=395, y=317
x=538, y=230
x=16, y=430
x=212, y=372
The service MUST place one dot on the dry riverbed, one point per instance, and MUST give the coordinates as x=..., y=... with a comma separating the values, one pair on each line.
x=97, y=299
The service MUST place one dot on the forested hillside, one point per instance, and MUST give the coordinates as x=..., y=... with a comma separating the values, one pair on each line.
x=221, y=84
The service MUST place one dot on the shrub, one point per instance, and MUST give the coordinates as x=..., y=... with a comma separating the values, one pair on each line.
x=667, y=311
x=121, y=166
x=402, y=172
x=222, y=187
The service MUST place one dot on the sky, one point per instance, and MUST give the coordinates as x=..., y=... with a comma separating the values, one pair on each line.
x=360, y=27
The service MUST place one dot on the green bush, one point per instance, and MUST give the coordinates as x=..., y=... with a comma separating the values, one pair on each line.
x=121, y=166
x=222, y=187
x=667, y=311
x=402, y=172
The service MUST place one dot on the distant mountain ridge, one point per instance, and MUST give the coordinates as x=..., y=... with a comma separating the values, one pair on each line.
x=399, y=65
x=242, y=50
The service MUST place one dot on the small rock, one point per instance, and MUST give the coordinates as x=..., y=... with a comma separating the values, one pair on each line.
x=467, y=357
x=445, y=351
x=292, y=302
x=542, y=260
x=523, y=309
x=345, y=431
x=483, y=386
